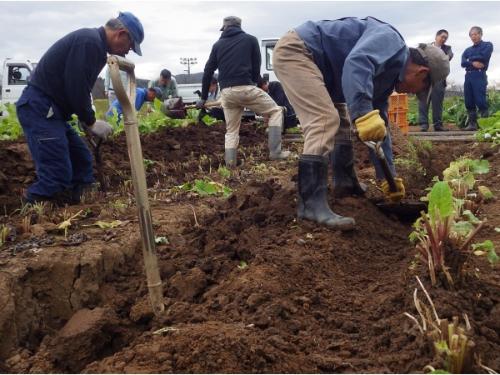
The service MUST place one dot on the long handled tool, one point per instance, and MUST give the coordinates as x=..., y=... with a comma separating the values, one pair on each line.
x=404, y=210
x=154, y=282
x=96, y=148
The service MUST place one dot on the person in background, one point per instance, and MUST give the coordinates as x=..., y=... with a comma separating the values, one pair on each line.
x=275, y=91
x=167, y=84
x=237, y=56
x=336, y=70
x=63, y=161
x=108, y=85
x=475, y=61
x=142, y=96
x=438, y=90
x=214, y=95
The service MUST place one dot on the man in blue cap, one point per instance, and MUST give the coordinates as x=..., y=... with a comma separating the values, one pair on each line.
x=60, y=87
x=336, y=70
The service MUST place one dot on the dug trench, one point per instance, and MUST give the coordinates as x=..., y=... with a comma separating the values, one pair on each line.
x=247, y=288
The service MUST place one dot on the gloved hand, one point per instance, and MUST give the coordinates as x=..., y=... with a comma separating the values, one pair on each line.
x=394, y=196
x=200, y=103
x=371, y=127
x=101, y=129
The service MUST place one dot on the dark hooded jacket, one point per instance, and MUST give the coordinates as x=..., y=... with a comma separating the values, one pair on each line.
x=237, y=56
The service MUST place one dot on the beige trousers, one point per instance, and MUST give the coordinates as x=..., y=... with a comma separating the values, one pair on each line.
x=305, y=88
x=235, y=99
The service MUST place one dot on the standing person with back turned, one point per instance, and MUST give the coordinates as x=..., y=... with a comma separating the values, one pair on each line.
x=358, y=62
x=437, y=95
x=476, y=60
x=237, y=56
x=60, y=87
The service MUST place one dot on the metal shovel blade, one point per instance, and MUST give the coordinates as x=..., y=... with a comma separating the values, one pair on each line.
x=406, y=211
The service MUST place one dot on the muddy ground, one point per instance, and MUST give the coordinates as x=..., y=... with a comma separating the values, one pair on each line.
x=247, y=288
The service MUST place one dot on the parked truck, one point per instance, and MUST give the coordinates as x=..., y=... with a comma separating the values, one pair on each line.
x=15, y=76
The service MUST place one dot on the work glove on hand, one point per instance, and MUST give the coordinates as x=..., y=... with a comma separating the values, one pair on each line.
x=394, y=196
x=101, y=129
x=371, y=127
x=200, y=103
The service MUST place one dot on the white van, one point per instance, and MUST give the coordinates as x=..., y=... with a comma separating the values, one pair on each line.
x=15, y=77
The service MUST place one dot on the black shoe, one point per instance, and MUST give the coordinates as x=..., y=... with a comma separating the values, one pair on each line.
x=345, y=181
x=59, y=199
x=312, y=186
x=424, y=127
x=439, y=128
x=472, y=121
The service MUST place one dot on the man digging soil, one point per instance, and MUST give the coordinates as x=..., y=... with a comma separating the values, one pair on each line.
x=335, y=69
x=61, y=86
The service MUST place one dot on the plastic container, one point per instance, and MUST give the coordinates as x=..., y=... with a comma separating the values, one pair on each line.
x=398, y=102
x=399, y=118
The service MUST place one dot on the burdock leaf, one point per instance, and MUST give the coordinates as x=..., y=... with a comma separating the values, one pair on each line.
x=480, y=166
x=440, y=201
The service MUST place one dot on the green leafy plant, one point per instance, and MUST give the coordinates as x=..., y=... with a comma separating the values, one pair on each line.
x=489, y=129
x=461, y=174
x=486, y=248
x=10, y=128
x=224, y=172
x=206, y=187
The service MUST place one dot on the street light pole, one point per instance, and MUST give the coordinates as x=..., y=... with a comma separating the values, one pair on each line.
x=188, y=61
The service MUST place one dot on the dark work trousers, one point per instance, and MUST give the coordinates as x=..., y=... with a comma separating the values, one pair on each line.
x=62, y=160
x=437, y=98
x=475, y=91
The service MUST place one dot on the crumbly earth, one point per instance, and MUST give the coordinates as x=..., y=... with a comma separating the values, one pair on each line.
x=247, y=288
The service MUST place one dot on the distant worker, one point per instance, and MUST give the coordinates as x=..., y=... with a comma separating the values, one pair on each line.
x=167, y=84
x=275, y=91
x=63, y=161
x=237, y=56
x=476, y=60
x=109, y=91
x=437, y=95
x=214, y=95
x=358, y=62
x=142, y=96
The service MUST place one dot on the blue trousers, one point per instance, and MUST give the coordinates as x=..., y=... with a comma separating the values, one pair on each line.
x=475, y=91
x=62, y=160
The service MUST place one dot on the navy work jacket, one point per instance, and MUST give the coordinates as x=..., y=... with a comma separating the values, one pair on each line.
x=68, y=71
x=361, y=60
x=478, y=52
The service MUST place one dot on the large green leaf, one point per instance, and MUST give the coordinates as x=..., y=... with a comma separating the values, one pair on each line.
x=440, y=201
x=479, y=166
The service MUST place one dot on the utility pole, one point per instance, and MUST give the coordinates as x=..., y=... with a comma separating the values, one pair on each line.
x=188, y=61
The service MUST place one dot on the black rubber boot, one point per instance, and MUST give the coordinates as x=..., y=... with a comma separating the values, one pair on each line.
x=312, y=186
x=472, y=121
x=345, y=181
x=424, y=127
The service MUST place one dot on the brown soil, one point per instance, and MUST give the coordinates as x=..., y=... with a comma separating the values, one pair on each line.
x=247, y=288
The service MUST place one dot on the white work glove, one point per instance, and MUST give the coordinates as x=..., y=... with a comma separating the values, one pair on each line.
x=101, y=129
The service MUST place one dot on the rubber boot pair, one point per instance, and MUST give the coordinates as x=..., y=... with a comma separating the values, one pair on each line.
x=274, y=143
x=313, y=189
x=345, y=181
x=472, y=121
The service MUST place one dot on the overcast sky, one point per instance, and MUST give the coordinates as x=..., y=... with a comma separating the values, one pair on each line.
x=177, y=29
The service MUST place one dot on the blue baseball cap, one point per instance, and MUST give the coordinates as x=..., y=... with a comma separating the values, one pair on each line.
x=134, y=28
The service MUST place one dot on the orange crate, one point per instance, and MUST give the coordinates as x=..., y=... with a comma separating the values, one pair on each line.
x=398, y=102
x=399, y=118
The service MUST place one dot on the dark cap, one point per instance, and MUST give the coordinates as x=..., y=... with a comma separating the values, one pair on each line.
x=230, y=21
x=135, y=29
x=158, y=92
x=438, y=63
